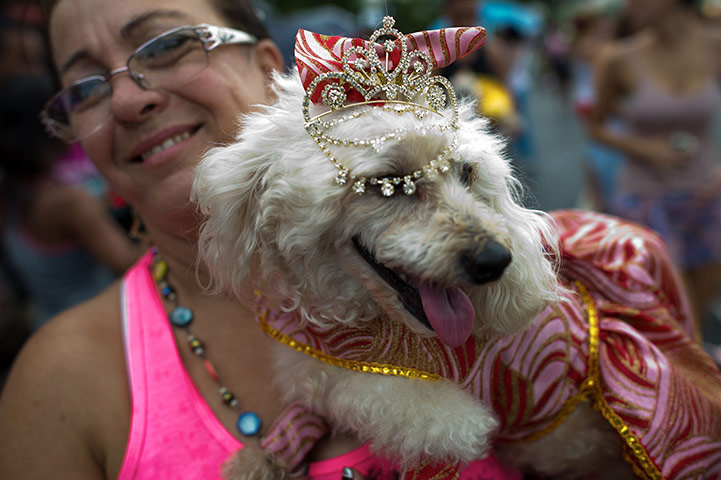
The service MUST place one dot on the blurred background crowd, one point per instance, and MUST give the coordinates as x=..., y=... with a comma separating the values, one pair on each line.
x=563, y=80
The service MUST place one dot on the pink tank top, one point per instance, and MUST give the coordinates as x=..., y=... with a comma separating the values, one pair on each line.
x=173, y=432
x=652, y=111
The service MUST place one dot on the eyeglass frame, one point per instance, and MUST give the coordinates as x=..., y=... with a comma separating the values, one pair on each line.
x=210, y=36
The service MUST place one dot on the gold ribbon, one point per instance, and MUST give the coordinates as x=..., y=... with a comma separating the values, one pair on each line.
x=365, y=367
x=634, y=453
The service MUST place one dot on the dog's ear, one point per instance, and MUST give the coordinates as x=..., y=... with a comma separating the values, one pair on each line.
x=228, y=184
x=265, y=197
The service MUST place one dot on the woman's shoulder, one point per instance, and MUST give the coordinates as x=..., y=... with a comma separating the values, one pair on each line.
x=79, y=350
x=67, y=391
x=613, y=65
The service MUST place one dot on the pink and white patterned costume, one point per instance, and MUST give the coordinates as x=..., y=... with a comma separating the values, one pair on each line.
x=622, y=341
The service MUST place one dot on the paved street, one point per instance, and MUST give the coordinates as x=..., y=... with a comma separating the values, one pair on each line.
x=556, y=169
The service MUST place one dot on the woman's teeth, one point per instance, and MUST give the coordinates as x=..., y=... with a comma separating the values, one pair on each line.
x=166, y=144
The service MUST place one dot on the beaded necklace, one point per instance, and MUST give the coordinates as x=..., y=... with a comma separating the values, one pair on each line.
x=248, y=422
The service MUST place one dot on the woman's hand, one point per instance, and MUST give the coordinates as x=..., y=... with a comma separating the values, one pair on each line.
x=663, y=157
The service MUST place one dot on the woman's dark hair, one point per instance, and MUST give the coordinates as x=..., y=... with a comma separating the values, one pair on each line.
x=26, y=149
x=241, y=14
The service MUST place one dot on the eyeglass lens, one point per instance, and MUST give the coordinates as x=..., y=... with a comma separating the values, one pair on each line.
x=167, y=61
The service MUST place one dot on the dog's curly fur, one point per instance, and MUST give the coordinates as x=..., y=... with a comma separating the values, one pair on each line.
x=276, y=220
x=271, y=203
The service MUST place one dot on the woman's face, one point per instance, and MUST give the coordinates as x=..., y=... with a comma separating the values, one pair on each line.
x=95, y=36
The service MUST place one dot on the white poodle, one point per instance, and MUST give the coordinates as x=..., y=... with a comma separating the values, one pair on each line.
x=447, y=255
x=459, y=257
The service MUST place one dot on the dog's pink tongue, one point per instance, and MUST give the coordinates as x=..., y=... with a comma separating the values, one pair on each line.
x=449, y=311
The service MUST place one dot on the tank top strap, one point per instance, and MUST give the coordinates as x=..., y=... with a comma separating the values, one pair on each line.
x=132, y=295
x=173, y=432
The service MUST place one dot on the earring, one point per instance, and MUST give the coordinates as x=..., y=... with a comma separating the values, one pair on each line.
x=137, y=228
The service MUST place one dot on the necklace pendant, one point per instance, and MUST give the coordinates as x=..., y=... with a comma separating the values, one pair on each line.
x=249, y=424
x=181, y=316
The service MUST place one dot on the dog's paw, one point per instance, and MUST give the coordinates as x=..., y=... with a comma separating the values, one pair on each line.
x=409, y=420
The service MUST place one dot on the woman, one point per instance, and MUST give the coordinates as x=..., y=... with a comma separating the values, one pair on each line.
x=99, y=393
x=663, y=84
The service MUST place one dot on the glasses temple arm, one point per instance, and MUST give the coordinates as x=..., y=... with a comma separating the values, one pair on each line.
x=212, y=36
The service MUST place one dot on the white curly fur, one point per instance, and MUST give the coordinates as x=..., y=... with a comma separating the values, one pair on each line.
x=402, y=420
x=271, y=203
x=276, y=220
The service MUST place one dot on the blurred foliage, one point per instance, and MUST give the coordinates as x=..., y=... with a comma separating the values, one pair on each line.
x=284, y=7
x=413, y=15
x=410, y=15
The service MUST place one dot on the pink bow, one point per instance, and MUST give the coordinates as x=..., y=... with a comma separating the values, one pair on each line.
x=316, y=54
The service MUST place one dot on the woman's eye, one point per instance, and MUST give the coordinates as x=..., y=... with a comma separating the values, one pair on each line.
x=166, y=50
x=468, y=175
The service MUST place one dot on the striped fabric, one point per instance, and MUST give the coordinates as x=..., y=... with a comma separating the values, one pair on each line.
x=293, y=434
x=621, y=340
x=316, y=54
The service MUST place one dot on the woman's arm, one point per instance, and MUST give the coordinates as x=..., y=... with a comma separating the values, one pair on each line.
x=65, y=406
x=613, y=81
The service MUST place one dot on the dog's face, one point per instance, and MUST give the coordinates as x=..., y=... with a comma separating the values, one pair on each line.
x=458, y=256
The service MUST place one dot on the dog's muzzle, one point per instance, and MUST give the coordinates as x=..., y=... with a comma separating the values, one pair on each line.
x=446, y=311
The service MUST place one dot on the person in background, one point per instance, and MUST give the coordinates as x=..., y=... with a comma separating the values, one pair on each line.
x=21, y=49
x=60, y=242
x=497, y=76
x=662, y=83
x=21, y=53
x=154, y=378
x=594, y=28
x=557, y=50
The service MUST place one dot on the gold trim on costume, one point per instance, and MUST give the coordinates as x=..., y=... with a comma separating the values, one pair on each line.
x=365, y=367
x=641, y=463
x=643, y=466
x=634, y=453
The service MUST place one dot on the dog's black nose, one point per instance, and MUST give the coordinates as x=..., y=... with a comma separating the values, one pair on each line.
x=488, y=264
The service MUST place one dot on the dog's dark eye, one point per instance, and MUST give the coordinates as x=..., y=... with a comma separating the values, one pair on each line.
x=467, y=174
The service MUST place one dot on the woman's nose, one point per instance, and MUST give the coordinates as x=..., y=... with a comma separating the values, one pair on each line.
x=132, y=103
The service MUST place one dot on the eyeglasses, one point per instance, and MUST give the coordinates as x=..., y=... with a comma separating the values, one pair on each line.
x=169, y=60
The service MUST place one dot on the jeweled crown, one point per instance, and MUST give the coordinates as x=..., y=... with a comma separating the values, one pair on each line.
x=391, y=71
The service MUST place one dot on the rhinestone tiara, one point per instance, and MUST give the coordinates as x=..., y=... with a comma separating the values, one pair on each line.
x=353, y=77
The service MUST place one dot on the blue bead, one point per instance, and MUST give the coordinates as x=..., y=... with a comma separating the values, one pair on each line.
x=249, y=424
x=181, y=316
